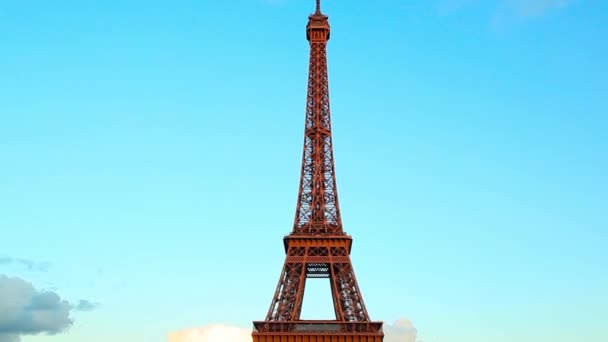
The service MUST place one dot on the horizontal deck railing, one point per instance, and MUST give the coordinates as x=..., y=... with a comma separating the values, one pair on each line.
x=318, y=326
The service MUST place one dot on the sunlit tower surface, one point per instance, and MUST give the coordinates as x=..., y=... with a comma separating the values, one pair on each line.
x=317, y=247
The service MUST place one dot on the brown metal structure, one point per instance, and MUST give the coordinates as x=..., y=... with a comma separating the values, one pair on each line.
x=318, y=247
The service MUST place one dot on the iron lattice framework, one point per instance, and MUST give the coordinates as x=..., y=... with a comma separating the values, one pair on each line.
x=318, y=211
x=317, y=247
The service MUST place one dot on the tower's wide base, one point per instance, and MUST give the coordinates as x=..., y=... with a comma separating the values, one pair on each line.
x=317, y=331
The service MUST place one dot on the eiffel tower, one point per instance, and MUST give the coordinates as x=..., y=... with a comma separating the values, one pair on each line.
x=317, y=247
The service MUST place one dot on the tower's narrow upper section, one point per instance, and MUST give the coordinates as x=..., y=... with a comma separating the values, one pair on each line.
x=318, y=28
x=318, y=212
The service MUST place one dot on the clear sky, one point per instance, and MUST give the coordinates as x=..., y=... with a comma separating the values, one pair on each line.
x=150, y=154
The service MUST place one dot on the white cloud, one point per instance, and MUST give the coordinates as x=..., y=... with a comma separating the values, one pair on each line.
x=212, y=333
x=401, y=331
x=27, y=311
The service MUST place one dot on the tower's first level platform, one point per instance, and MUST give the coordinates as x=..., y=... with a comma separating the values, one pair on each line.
x=317, y=331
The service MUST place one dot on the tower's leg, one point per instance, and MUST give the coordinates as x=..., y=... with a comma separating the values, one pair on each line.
x=289, y=293
x=346, y=289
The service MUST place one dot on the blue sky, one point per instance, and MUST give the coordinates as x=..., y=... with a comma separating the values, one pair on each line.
x=150, y=156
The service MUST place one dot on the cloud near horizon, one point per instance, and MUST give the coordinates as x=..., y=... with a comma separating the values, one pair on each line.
x=212, y=333
x=27, y=311
x=401, y=331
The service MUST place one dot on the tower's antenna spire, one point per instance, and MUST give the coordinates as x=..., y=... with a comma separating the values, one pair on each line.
x=318, y=6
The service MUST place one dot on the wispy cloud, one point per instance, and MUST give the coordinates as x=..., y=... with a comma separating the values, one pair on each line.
x=529, y=8
x=504, y=11
x=452, y=6
x=517, y=11
x=30, y=265
x=274, y=2
x=85, y=305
